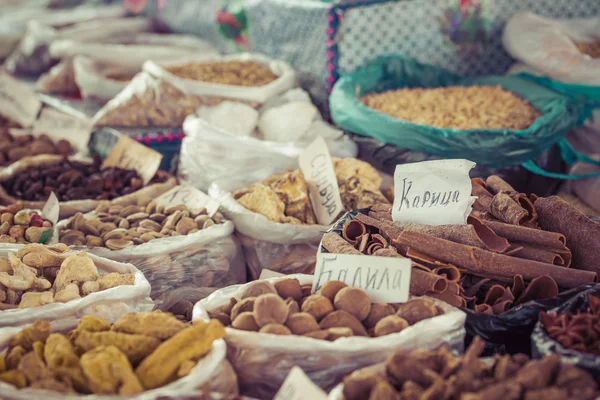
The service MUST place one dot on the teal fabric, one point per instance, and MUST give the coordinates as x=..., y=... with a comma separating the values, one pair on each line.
x=493, y=147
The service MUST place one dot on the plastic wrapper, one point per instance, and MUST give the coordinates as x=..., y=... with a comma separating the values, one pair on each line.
x=210, y=154
x=542, y=344
x=186, y=267
x=32, y=57
x=491, y=147
x=60, y=79
x=212, y=373
x=283, y=248
x=69, y=208
x=155, y=97
x=549, y=46
x=109, y=304
x=263, y=361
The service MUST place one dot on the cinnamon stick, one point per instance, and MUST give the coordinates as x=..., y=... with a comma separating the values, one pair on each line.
x=506, y=209
x=583, y=234
x=420, y=281
x=527, y=235
x=335, y=244
x=353, y=230
x=497, y=185
x=539, y=254
x=478, y=261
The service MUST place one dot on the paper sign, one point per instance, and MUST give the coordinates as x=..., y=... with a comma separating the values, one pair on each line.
x=385, y=279
x=189, y=196
x=298, y=386
x=317, y=167
x=51, y=210
x=17, y=103
x=433, y=192
x=267, y=273
x=129, y=154
x=59, y=125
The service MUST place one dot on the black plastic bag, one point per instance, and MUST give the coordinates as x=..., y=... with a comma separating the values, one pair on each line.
x=542, y=344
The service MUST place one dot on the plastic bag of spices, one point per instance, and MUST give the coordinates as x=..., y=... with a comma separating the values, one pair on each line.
x=163, y=95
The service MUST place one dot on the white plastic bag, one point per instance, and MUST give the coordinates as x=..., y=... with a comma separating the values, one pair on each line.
x=284, y=248
x=109, y=304
x=212, y=373
x=31, y=56
x=210, y=154
x=549, y=46
x=155, y=97
x=263, y=361
x=186, y=267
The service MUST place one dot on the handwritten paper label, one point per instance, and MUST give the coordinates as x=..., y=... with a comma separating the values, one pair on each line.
x=298, y=386
x=129, y=154
x=385, y=279
x=433, y=192
x=51, y=210
x=59, y=125
x=189, y=196
x=317, y=167
x=267, y=273
x=18, y=103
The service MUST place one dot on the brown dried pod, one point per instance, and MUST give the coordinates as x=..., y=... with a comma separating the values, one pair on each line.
x=417, y=310
x=103, y=207
x=124, y=224
x=378, y=311
x=149, y=224
x=321, y=335
x=390, y=324
x=115, y=209
x=185, y=225
x=200, y=220
x=331, y=288
x=270, y=309
x=336, y=333
x=94, y=241
x=73, y=239
x=89, y=229
x=318, y=306
x=301, y=323
x=118, y=244
x=118, y=233
x=275, y=329
x=129, y=210
x=222, y=317
x=256, y=288
x=245, y=322
x=292, y=306
x=137, y=217
x=289, y=288
x=157, y=217
x=172, y=209
x=353, y=300
x=244, y=305
x=343, y=319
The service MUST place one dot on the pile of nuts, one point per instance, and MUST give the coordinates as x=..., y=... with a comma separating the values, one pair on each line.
x=238, y=73
x=456, y=107
x=13, y=148
x=21, y=226
x=73, y=180
x=37, y=275
x=591, y=49
x=117, y=226
x=288, y=308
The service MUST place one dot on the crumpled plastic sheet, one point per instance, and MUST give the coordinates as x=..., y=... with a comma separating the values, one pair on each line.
x=542, y=344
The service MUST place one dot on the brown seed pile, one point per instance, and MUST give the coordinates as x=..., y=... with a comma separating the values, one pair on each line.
x=13, y=148
x=239, y=73
x=438, y=374
x=592, y=49
x=456, y=107
x=288, y=308
x=117, y=227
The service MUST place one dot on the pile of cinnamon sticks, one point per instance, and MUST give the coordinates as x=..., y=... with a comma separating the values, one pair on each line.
x=514, y=248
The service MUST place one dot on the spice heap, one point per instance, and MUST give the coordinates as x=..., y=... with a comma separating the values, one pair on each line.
x=138, y=352
x=117, y=226
x=591, y=49
x=288, y=308
x=284, y=197
x=440, y=375
x=576, y=331
x=74, y=180
x=23, y=226
x=13, y=148
x=37, y=275
x=456, y=107
x=488, y=265
x=238, y=73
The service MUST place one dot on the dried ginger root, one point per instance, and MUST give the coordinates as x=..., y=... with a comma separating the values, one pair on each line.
x=94, y=359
